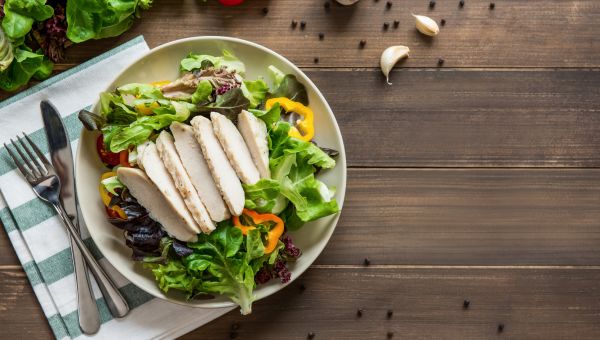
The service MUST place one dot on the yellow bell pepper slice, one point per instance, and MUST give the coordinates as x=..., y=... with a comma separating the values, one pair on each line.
x=146, y=110
x=160, y=83
x=106, y=196
x=306, y=127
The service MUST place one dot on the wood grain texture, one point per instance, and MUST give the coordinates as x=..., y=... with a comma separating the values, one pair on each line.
x=20, y=314
x=542, y=33
x=468, y=217
x=427, y=303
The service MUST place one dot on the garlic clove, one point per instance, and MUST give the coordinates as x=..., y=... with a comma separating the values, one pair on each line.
x=426, y=25
x=390, y=57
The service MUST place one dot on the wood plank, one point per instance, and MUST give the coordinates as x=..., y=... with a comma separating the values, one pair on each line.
x=463, y=217
x=541, y=303
x=7, y=253
x=20, y=312
x=547, y=33
x=468, y=217
x=465, y=118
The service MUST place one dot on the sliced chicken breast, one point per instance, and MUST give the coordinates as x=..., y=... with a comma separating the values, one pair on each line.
x=235, y=148
x=159, y=208
x=156, y=171
x=223, y=174
x=165, y=144
x=254, y=131
x=197, y=169
x=140, y=153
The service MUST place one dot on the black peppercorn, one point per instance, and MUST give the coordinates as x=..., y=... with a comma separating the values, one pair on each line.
x=233, y=335
x=294, y=23
x=265, y=10
x=327, y=5
x=443, y=22
x=316, y=60
x=461, y=3
x=386, y=25
x=431, y=4
x=396, y=23
x=362, y=43
x=390, y=313
x=321, y=36
x=492, y=5
x=390, y=335
x=235, y=326
x=311, y=335
x=466, y=304
x=302, y=287
x=388, y=4
x=367, y=261
x=500, y=327
x=440, y=61
x=302, y=24
x=359, y=312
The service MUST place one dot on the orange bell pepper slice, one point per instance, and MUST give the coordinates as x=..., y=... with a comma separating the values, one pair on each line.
x=272, y=236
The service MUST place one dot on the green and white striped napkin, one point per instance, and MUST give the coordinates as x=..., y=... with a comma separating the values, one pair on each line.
x=39, y=238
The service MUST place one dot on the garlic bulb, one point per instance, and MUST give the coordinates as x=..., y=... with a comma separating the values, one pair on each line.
x=390, y=57
x=426, y=25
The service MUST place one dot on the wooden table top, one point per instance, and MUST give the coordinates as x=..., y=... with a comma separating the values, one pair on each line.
x=476, y=180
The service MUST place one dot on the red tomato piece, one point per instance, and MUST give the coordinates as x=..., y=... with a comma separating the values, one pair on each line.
x=107, y=157
x=231, y=2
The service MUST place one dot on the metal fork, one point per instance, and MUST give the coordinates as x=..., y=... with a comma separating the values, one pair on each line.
x=45, y=183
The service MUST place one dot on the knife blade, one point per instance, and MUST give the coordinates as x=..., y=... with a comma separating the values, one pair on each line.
x=62, y=160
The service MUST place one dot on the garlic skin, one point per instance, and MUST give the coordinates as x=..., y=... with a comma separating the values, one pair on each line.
x=426, y=25
x=390, y=57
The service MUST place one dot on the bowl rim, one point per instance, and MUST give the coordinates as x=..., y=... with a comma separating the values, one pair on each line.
x=341, y=188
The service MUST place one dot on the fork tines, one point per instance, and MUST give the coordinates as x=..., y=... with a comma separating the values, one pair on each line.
x=31, y=166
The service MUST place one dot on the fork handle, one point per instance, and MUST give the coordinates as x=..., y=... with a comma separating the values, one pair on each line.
x=114, y=300
x=89, y=317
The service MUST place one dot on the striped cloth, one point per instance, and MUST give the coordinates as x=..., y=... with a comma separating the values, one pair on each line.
x=39, y=238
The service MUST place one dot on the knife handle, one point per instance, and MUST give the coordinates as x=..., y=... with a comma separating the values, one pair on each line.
x=89, y=317
x=114, y=300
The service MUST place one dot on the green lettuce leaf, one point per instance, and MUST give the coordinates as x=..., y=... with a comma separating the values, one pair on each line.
x=203, y=92
x=261, y=196
x=112, y=183
x=25, y=65
x=230, y=104
x=292, y=89
x=21, y=14
x=270, y=116
x=255, y=91
x=276, y=75
x=202, y=61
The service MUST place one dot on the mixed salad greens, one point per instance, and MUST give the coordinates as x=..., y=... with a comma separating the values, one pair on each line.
x=34, y=33
x=248, y=248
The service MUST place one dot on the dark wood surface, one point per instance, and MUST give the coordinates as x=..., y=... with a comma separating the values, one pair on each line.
x=476, y=180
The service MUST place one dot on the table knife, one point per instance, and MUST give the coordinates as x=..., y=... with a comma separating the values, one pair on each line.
x=62, y=159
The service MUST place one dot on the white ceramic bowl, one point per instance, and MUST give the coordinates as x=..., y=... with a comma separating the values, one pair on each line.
x=162, y=63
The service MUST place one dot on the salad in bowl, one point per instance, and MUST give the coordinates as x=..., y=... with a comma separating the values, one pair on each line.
x=210, y=174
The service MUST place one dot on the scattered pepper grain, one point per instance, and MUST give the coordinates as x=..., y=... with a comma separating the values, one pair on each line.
x=390, y=335
x=461, y=3
x=321, y=35
x=327, y=5
x=294, y=23
x=492, y=5
x=302, y=25
x=235, y=326
x=316, y=60
x=233, y=335
x=386, y=25
x=311, y=335
x=500, y=327
x=441, y=61
x=396, y=23
x=362, y=43
x=302, y=287
x=388, y=4
x=359, y=312
x=265, y=10
x=367, y=261
x=431, y=4
x=466, y=304
x=390, y=313
x=443, y=22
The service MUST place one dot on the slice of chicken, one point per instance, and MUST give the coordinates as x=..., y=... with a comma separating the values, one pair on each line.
x=140, y=153
x=225, y=178
x=194, y=163
x=254, y=131
x=235, y=148
x=165, y=144
x=159, y=208
x=155, y=169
